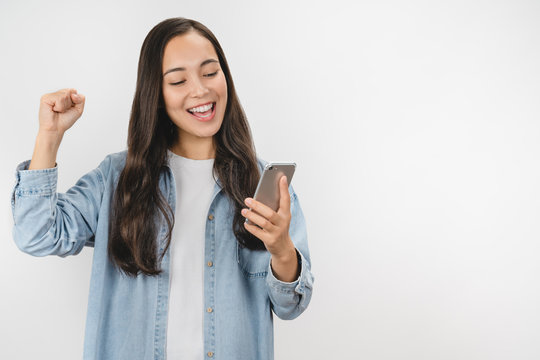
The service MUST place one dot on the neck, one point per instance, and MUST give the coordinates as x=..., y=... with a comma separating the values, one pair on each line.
x=195, y=148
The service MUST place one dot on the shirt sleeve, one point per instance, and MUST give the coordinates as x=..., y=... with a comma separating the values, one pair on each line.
x=49, y=223
x=290, y=299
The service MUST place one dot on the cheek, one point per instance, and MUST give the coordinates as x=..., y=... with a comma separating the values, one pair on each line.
x=171, y=99
x=223, y=89
x=166, y=97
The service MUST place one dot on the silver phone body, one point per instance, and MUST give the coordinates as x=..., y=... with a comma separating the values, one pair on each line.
x=267, y=190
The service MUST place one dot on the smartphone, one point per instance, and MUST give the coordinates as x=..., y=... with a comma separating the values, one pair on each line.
x=267, y=190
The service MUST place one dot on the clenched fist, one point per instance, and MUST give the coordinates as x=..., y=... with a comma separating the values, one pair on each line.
x=58, y=111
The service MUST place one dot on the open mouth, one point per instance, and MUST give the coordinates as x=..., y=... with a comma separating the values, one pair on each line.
x=204, y=112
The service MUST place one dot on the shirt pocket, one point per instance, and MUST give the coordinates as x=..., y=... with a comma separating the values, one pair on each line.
x=252, y=263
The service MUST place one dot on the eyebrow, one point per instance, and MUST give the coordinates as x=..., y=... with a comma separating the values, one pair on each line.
x=205, y=62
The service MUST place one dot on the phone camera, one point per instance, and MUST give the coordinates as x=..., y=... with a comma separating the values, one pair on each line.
x=271, y=168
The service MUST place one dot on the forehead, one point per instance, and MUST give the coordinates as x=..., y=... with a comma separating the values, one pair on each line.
x=187, y=50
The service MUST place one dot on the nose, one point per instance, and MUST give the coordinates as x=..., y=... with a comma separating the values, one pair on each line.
x=197, y=88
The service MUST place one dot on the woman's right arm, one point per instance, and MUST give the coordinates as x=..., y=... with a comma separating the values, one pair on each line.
x=58, y=112
x=47, y=222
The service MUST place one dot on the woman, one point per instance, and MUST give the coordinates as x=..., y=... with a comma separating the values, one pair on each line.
x=176, y=272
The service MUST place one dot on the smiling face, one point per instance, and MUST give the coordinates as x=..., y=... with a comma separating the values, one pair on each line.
x=194, y=90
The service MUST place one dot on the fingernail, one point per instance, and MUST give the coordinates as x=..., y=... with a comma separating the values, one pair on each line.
x=248, y=201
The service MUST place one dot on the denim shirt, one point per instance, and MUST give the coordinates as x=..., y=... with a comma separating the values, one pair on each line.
x=126, y=316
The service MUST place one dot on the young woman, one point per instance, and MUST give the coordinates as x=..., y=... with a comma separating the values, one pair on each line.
x=177, y=273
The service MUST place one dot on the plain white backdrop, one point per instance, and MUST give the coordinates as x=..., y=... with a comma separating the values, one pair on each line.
x=416, y=129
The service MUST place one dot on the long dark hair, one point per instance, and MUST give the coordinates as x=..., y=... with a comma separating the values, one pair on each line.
x=134, y=224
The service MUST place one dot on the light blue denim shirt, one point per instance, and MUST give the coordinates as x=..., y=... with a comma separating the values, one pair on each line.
x=127, y=317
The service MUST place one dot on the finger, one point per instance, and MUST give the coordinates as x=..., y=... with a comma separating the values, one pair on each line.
x=62, y=101
x=259, y=233
x=258, y=219
x=78, y=100
x=50, y=100
x=262, y=209
x=68, y=95
x=284, y=196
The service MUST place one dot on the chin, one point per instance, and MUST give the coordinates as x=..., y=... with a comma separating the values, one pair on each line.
x=207, y=132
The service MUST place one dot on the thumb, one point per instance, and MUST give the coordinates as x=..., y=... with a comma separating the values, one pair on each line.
x=78, y=100
x=285, y=197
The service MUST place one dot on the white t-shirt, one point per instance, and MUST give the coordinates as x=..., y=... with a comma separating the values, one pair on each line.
x=194, y=187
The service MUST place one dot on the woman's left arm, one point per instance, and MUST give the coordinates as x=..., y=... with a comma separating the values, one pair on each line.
x=289, y=280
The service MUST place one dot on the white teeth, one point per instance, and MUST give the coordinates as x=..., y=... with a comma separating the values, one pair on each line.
x=202, y=108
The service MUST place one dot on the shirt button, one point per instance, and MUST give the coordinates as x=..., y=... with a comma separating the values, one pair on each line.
x=210, y=263
x=210, y=354
x=209, y=310
x=211, y=217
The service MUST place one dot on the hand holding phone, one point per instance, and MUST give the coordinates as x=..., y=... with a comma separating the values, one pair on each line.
x=267, y=190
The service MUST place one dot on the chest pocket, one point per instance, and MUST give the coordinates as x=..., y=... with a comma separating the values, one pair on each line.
x=254, y=264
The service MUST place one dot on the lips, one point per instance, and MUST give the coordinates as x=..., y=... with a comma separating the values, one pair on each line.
x=203, y=112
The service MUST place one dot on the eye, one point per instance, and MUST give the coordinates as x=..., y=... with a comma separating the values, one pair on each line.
x=205, y=75
x=212, y=74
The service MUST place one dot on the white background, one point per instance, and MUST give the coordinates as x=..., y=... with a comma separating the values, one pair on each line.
x=416, y=129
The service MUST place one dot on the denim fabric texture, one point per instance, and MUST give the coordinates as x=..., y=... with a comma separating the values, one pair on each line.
x=127, y=317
